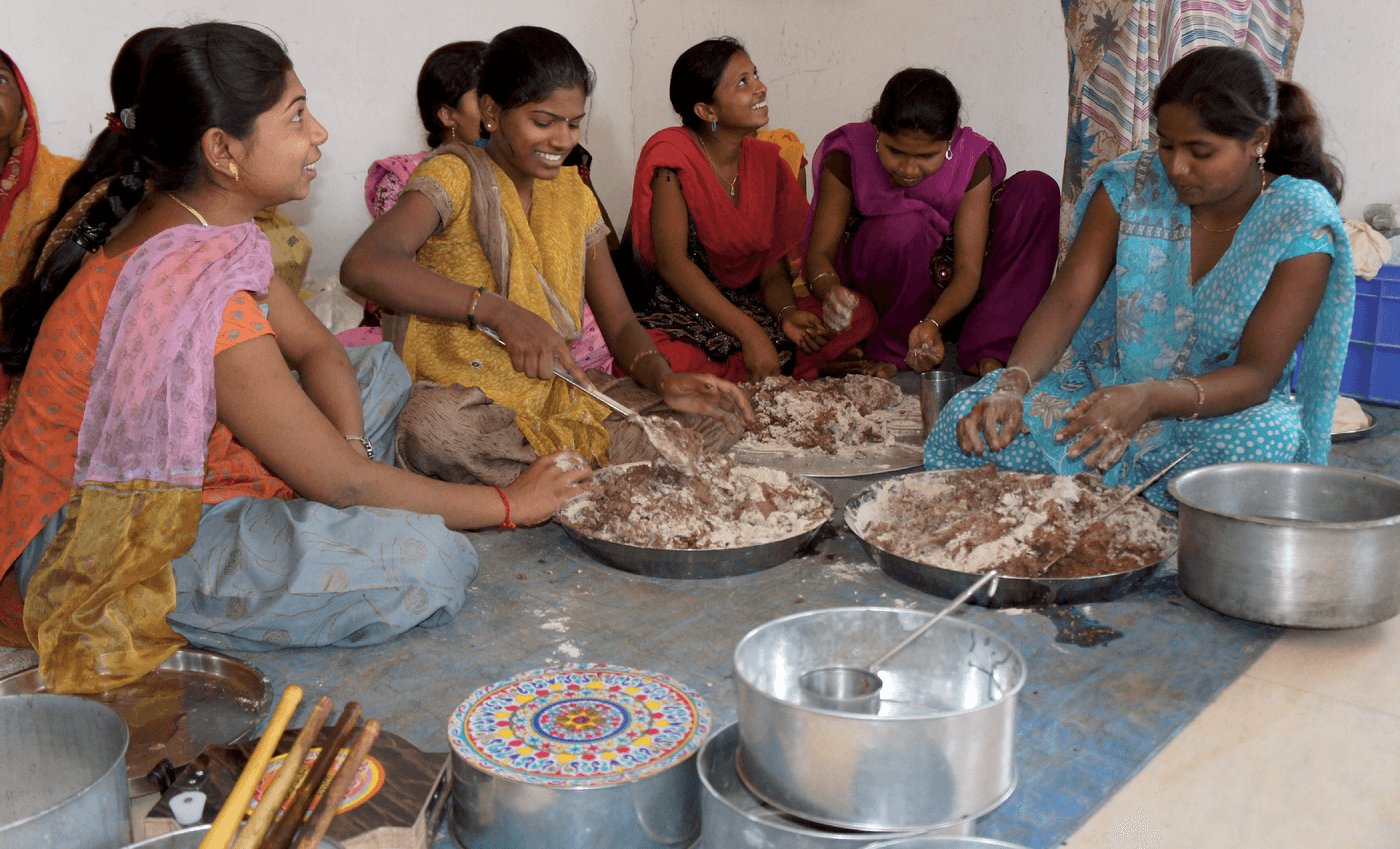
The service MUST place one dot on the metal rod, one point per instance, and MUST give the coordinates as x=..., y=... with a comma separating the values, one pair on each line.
x=952, y=605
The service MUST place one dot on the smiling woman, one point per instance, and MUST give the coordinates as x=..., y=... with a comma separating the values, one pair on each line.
x=194, y=488
x=509, y=238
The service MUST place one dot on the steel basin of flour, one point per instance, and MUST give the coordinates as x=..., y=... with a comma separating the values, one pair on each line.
x=1004, y=592
x=704, y=563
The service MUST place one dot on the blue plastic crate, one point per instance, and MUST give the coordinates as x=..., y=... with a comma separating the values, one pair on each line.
x=1372, y=370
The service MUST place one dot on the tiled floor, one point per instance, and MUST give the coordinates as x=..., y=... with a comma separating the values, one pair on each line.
x=1303, y=750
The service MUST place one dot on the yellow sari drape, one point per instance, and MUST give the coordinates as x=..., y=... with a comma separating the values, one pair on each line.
x=550, y=243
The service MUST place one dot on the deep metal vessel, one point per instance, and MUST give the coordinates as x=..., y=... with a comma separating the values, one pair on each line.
x=189, y=838
x=734, y=817
x=63, y=781
x=1010, y=591
x=938, y=753
x=940, y=842
x=1287, y=544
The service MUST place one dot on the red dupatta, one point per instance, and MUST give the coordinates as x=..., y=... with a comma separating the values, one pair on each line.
x=742, y=240
x=14, y=178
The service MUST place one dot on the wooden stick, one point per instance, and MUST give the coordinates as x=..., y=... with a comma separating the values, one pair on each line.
x=261, y=819
x=340, y=785
x=286, y=828
x=236, y=805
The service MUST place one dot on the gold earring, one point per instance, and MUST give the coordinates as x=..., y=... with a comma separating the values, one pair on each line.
x=452, y=133
x=233, y=169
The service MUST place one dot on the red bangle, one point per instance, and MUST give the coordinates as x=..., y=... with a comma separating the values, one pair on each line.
x=507, y=524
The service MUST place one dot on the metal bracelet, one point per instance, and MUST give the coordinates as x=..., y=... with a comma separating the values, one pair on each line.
x=632, y=367
x=369, y=449
x=1200, y=398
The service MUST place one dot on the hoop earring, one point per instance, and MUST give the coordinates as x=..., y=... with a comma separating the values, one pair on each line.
x=948, y=152
x=714, y=126
x=233, y=169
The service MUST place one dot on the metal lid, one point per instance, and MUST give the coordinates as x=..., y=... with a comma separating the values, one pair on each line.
x=580, y=725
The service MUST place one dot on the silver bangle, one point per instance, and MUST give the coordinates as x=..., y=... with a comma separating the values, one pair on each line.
x=1200, y=398
x=369, y=449
x=935, y=323
x=1030, y=382
x=783, y=310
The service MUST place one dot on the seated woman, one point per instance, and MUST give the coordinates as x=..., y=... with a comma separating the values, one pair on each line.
x=269, y=516
x=911, y=211
x=507, y=238
x=30, y=181
x=714, y=215
x=449, y=109
x=1195, y=269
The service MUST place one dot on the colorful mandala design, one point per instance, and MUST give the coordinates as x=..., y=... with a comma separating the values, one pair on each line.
x=368, y=779
x=580, y=725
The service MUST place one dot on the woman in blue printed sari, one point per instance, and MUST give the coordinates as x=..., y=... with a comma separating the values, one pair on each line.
x=1195, y=270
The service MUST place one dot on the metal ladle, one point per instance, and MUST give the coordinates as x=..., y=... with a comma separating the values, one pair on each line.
x=654, y=431
x=853, y=690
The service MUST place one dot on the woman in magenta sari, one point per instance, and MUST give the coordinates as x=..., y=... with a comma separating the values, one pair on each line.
x=916, y=213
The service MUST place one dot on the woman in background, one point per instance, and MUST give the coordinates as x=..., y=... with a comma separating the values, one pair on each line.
x=915, y=213
x=715, y=214
x=1195, y=270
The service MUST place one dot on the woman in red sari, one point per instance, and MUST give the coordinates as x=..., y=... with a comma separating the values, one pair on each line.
x=714, y=214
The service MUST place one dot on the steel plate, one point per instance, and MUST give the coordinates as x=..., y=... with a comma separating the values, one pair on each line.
x=1355, y=435
x=196, y=698
x=1010, y=591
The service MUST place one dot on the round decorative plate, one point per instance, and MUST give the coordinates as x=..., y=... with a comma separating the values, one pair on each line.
x=581, y=725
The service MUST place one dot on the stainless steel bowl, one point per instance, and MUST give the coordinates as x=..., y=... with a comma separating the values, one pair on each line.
x=1290, y=544
x=938, y=753
x=939, y=842
x=1010, y=591
x=63, y=775
x=700, y=563
x=189, y=838
x=734, y=817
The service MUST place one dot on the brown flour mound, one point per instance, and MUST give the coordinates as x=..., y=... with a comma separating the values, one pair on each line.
x=833, y=416
x=727, y=505
x=972, y=521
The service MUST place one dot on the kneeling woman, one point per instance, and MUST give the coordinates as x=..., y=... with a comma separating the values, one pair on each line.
x=1195, y=269
x=510, y=240
x=912, y=211
x=161, y=440
x=714, y=215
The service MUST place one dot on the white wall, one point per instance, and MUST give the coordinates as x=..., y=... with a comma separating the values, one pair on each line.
x=825, y=62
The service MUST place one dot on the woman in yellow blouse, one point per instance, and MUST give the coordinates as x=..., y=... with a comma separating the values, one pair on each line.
x=510, y=239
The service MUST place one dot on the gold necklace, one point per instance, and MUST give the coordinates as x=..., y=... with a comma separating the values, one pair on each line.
x=190, y=209
x=1210, y=229
x=734, y=183
x=1263, y=187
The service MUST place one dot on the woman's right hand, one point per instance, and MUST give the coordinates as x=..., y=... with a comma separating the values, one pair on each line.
x=760, y=358
x=838, y=305
x=992, y=423
x=546, y=485
x=533, y=344
x=926, y=350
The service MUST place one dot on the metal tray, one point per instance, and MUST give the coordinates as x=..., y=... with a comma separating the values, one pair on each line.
x=196, y=698
x=903, y=456
x=1355, y=435
x=701, y=563
x=1010, y=591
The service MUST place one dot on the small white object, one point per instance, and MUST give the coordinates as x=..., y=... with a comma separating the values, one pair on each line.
x=188, y=807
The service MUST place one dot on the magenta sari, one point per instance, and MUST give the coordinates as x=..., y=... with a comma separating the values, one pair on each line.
x=888, y=256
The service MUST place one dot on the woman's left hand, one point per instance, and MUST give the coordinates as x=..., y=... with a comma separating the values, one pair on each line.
x=1104, y=423
x=806, y=330
x=709, y=396
x=926, y=349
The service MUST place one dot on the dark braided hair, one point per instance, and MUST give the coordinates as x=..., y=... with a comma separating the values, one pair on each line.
x=1233, y=92
x=448, y=74
x=918, y=100
x=695, y=76
x=198, y=77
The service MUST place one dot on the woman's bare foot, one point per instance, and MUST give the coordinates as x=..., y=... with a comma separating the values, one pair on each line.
x=858, y=365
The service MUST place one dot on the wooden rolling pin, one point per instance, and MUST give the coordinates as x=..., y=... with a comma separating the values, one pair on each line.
x=237, y=803
x=286, y=828
x=261, y=820
x=340, y=785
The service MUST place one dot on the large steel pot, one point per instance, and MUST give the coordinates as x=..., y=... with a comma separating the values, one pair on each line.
x=734, y=817
x=577, y=757
x=63, y=781
x=938, y=753
x=1295, y=545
